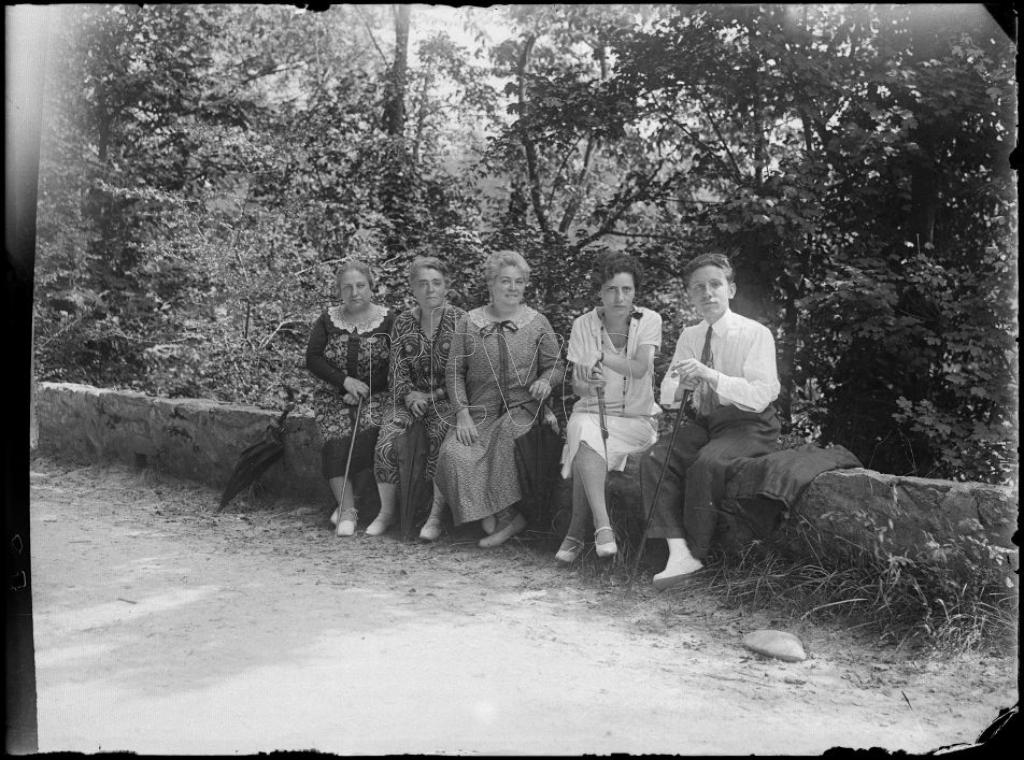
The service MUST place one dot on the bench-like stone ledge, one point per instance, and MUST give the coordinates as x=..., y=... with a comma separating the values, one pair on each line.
x=201, y=440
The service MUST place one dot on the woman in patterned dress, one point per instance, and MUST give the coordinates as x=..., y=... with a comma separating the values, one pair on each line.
x=612, y=349
x=420, y=342
x=503, y=363
x=348, y=349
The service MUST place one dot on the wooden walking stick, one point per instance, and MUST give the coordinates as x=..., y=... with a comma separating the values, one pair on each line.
x=661, y=477
x=602, y=417
x=348, y=461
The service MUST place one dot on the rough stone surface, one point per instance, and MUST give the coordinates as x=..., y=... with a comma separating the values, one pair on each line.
x=915, y=518
x=189, y=438
x=777, y=644
x=198, y=439
x=937, y=521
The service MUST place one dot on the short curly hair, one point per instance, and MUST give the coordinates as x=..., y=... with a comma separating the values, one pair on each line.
x=427, y=262
x=506, y=258
x=612, y=263
x=715, y=259
x=359, y=266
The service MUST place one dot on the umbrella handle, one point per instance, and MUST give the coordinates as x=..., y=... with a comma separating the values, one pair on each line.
x=285, y=413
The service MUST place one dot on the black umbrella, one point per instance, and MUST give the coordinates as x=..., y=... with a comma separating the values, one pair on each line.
x=256, y=459
x=537, y=455
x=414, y=488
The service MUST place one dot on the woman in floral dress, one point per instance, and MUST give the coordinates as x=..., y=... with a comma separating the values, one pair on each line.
x=349, y=346
x=421, y=339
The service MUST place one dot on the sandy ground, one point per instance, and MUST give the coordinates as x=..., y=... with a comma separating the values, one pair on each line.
x=161, y=627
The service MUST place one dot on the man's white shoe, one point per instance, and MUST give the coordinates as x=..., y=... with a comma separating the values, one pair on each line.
x=676, y=573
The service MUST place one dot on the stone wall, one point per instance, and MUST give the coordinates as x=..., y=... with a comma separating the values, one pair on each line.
x=201, y=440
x=190, y=438
x=956, y=527
x=913, y=517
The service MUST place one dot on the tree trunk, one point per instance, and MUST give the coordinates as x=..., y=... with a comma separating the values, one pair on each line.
x=757, y=118
x=786, y=350
x=394, y=106
x=926, y=180
x=421, y=118
x=530, y=150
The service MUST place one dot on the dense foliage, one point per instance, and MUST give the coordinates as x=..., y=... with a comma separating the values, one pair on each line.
x=206, y=167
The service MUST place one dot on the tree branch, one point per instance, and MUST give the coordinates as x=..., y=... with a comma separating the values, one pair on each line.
x=369, y=31
x=699, y=142
x=619, y=205
x=721, y=139
x=577, y=197
x=561, y=166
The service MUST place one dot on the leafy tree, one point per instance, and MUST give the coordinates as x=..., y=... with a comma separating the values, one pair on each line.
x=205, y=168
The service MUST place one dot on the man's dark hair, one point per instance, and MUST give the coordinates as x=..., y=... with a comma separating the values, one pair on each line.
x=716, y=259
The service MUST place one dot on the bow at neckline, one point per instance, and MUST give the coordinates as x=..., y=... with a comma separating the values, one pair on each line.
x=497, y=327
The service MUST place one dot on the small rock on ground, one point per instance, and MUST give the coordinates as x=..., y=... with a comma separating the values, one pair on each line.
x=777, y=644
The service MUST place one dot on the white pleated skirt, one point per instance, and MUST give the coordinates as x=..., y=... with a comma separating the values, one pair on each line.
x=626, y=435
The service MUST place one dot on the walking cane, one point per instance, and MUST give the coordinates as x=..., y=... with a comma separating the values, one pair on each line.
x=348, y=461
x=661, y=477
x=602, y=416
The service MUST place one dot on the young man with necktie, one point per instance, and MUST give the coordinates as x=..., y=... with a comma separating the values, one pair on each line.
x=733, y=383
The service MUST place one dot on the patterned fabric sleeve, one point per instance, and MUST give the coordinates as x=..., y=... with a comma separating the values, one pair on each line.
x=455, y=369
x=316, y=362
x=380, y=373
x=401, y=378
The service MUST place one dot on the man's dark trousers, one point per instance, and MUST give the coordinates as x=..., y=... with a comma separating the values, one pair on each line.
x=694, y=485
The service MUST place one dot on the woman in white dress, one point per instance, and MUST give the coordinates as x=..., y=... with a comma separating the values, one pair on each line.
x=612, y=350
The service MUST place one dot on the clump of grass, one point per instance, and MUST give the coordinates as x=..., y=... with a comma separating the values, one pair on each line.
x=953, y=604
x=907, y=602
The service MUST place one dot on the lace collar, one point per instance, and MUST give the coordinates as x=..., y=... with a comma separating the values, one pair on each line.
x=481, y=317
x=371, y=320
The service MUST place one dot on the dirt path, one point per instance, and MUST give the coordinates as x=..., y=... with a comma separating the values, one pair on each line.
x=163, y=628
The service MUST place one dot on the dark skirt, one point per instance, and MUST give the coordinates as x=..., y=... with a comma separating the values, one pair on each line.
x=335, y=453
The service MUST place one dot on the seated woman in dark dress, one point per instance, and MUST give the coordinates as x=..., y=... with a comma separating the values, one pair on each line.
x=421, y=339
x=349, y=346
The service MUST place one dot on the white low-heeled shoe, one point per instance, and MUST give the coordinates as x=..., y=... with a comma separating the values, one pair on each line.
x=431, y=530
x=608, y=548
x=504, y=531
x=346, y=524
x=346, y=528
x=379, y=525
x=569, y=550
